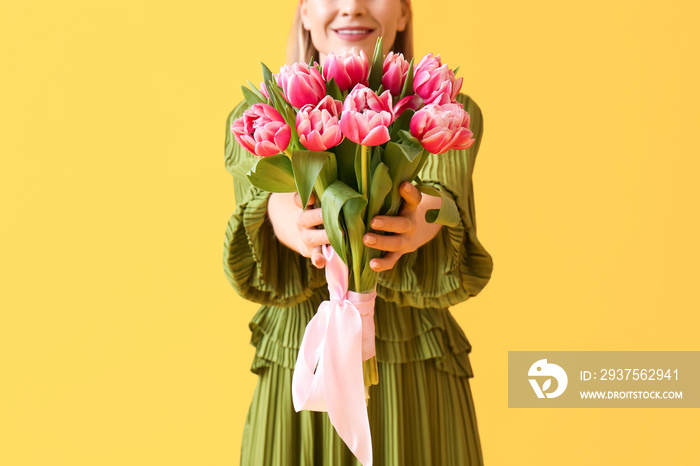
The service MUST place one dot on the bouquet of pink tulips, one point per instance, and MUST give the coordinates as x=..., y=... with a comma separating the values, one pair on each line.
x=351, y=131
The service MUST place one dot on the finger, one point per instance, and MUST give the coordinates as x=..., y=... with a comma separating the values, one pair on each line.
x=410, y=193
x=385, y=242
x=385, y=263
x=297, y=199
x=310, y=218
x=397, y=224
x=317, y=257
x=312, y=238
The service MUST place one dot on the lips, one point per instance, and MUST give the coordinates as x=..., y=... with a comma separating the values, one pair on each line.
x=353, y=33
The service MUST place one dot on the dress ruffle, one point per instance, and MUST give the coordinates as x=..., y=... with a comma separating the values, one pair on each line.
x=252, y=258
x=418, y=334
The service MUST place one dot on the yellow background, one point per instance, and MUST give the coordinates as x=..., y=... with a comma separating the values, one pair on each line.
x=121, y=341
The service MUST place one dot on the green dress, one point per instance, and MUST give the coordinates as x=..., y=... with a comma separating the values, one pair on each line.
x=421, y=412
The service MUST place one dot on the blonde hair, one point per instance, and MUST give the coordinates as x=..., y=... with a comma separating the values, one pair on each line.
x=301, y=48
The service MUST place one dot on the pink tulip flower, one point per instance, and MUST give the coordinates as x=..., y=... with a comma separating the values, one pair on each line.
x=395, y=71
x=366, y=117
x=349, y=68
x=435, y=82
x=410, y=101
x=440, y=128
x=301, y=84
x=262, y=131
x=318, y=125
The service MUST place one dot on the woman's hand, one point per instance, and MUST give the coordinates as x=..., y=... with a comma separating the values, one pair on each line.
x=410, y=229
x=312, y=238
x=296, y=228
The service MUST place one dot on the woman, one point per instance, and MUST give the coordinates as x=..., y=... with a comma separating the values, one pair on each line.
x=421, y=412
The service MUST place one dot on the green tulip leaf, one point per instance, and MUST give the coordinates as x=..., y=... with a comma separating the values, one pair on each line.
x=447, y=214
x=408, y=139
x=281, y=105
x=291, y=116
x=353, y=211
x=334, y=199
x=377, y=67
x=270, y=86
x=253, y=97
x=267, y=75
x=345, y=157
x=375, y=158
x=257, y=92
x=410, y=145
x=377, y=152
x=379, y=189
x=403, y=122
x=368, y=280
x=327, y=176
x=275, y=92
x=423, y=159
x=408, y=84
x=333, y=90
x=307, y=165
x=357, y=167
x=400, y=169
x=273, y=174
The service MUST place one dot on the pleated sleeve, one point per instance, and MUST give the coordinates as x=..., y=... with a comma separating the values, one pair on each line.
x=258, y=266
x=454, y=266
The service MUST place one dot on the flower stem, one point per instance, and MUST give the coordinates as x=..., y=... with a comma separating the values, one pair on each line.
x=370, y=373
x=364, y=170
x=358, y=258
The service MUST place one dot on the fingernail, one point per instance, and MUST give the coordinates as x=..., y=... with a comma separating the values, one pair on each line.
x=374, y=264
x=320, y=214
x=370, y=239
x=407, y=187
x=378, y=223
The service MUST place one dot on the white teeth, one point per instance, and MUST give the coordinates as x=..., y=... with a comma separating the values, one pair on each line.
x=353, y=31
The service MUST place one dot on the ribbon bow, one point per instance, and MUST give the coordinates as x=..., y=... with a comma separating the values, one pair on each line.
x=328, y=372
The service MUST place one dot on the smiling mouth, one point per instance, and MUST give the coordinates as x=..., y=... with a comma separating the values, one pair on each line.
x=357, y=32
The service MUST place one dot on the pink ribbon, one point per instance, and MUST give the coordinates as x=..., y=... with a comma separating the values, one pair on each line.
x=338, y=338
